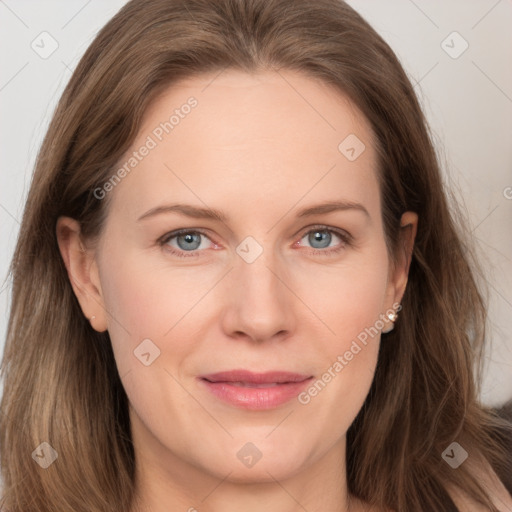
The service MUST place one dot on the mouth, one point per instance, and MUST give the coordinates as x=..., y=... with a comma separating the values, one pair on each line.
x=255, y=391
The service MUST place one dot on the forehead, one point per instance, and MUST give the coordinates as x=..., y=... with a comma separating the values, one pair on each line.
x=268, y=136
x=235, y=104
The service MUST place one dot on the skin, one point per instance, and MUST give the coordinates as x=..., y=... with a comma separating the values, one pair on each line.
x=259, y=148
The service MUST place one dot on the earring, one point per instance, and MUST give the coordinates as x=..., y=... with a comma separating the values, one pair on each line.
x=392, y=317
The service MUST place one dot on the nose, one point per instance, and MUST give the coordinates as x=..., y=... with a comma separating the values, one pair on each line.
x=259, y=306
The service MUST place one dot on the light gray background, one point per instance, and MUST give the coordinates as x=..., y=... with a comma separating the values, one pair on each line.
x=468, y=101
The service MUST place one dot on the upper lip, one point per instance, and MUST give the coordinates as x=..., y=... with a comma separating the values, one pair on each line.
x=255, y=378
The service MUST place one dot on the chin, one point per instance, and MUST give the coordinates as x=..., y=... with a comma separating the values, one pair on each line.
x=260, y=461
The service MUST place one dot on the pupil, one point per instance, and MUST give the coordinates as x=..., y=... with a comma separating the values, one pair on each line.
x=189, y=238
x=320, y=236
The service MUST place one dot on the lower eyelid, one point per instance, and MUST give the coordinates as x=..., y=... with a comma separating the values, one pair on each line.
x=345, y=241
x=164, y=241
x=344, y=237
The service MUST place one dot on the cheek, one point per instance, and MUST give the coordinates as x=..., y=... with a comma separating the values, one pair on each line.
x=348, y=299
x=148, y=300
x=153, y=304
x=141, y=305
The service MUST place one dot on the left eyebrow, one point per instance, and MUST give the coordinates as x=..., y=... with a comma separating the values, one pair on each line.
x=332, y=206
x=186, y=209
x=210, y=213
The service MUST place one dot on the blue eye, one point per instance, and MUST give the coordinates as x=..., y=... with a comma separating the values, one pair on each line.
x=188, y=241
x=323, y=236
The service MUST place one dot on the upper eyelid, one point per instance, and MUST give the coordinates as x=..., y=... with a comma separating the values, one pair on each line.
x=320, y=227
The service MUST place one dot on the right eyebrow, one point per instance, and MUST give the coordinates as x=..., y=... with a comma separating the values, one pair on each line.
x=197, y=212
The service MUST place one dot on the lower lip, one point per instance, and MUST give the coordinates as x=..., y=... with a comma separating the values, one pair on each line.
x=256, y=399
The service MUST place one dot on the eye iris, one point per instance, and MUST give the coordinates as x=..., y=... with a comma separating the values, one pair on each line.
x=192, y=240
x=319, y=236
x=189, y=237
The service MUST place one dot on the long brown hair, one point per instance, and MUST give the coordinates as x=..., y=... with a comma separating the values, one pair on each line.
x=61, y=384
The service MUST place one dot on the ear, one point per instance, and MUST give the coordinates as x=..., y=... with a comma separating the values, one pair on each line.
x=408, y=229
x=82, y=272
x=399, y=270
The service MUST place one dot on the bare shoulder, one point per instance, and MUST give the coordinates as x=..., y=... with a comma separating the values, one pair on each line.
x=501, y=498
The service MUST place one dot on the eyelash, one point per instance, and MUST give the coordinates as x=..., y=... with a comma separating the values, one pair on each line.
x=345, y=237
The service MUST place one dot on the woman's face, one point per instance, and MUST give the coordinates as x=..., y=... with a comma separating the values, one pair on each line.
x=283, y=283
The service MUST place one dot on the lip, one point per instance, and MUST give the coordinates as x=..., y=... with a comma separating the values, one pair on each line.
x=255, y=391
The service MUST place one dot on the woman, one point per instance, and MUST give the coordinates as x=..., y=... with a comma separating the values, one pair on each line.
x=189, y=346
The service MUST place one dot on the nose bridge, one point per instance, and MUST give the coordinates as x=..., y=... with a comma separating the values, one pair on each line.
x=261, y=273
x=260, y=305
